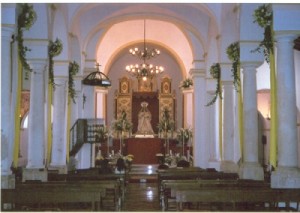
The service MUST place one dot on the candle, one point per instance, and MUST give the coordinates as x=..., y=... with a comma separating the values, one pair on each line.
x=113, y=152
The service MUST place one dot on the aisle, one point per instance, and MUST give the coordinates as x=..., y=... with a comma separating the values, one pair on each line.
x=141, y=190
x=141, y=197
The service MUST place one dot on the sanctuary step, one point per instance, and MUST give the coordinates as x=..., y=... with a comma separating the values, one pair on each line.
x=142, y=173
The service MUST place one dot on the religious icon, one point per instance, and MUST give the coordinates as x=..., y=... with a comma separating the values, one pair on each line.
x=144, y=121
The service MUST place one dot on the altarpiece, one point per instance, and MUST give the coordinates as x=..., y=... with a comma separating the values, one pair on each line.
x=128, y=100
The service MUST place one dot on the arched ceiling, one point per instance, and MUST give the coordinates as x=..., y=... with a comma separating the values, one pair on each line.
x=183, y=29
x=128, y=33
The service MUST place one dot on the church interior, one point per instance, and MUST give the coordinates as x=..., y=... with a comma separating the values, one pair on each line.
x=150, y=107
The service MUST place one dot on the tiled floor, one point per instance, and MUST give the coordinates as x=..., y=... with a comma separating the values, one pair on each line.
x=141, y=197
x=141, y=191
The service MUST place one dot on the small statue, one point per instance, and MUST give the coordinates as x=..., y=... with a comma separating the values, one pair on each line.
x=144, y=122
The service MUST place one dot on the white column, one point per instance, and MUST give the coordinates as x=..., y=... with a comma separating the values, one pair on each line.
x=250, y=168
x=6, y=144
x=58, y=154
x=228, y=164
x=228, y=122
x=36, y=130
x=200, y=146
x=287, y=174
x=213, y=134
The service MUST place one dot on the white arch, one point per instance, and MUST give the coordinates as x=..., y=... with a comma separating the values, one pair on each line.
x=112, y=41
x=191, y=28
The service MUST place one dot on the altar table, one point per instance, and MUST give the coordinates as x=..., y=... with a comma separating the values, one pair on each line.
x=144, y=150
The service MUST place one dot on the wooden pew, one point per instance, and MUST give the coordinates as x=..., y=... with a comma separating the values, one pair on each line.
x=110, y=190
x=170, y=187
x=190, y=173
x=50, y=196
x=238, y=195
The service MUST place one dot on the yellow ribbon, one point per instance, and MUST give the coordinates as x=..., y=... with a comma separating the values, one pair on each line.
x=220, y=121
x=49, y=123
x=240, y=111
x=68, y=127
x=274, y=118
x=17, y=116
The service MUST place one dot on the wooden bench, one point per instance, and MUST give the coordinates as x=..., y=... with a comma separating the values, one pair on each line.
x=237, y=195
x=110, y=190
x=170, y=187
x=52, y=196
x=190, y=173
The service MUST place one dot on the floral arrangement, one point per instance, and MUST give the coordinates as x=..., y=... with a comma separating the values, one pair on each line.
x=233, y=53
x=187, y=83
x=55, y=48
x=166, y=124
x=263, y=16
x=122, y=125
x=101, y=133
x=184, y=134
x=73, y=70
x=215, y=71
x=26, y=19
x=128, y=158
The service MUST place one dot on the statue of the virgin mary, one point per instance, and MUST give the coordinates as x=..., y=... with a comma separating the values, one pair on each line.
x=144, y=122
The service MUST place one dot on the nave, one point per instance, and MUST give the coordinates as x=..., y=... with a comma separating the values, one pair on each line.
x=147, y=188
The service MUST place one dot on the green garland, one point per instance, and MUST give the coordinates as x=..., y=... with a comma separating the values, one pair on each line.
x=215, y=71
x=55, y=49
x=26, y=19
x=233, y=53
x=264, y=17
x=73, y=70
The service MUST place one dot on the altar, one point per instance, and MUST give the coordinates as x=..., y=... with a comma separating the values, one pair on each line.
x=144, y=109
x=144, y=150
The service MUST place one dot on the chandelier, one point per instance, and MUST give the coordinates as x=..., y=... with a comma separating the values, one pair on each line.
x=144, y=70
